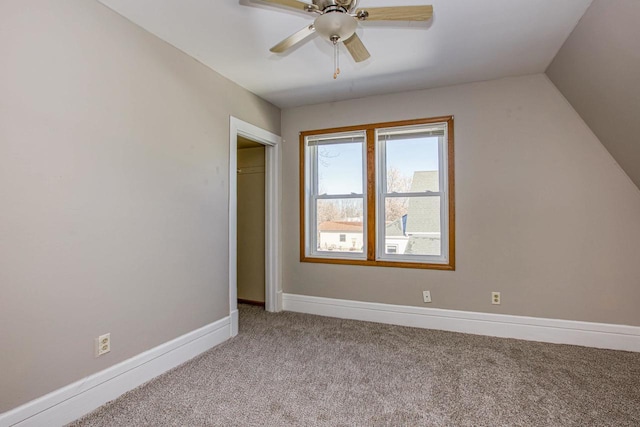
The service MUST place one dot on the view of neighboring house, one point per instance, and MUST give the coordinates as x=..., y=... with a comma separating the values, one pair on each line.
x=344, y=236
x=418, y=231
x=423, y=216
x=396, y=238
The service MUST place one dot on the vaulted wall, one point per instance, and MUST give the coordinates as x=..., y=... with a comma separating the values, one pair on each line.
x=598, y=71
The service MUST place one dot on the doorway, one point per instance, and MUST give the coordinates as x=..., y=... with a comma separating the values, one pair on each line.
x=251, y=222
x=272, y=180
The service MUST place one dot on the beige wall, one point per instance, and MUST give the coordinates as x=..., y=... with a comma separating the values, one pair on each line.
x=251, y=224
x=598, y=71
x=113, y=191
x=544, y=214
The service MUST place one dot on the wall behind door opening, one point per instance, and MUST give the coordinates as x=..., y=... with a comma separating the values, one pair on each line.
x=251, y=221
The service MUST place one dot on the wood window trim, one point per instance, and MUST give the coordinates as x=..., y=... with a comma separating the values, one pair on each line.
x=371, y=196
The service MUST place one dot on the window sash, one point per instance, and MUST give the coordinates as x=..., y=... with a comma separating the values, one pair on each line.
x=382, y=136
x=312, y=195
x=381, y=237
x=313, y=233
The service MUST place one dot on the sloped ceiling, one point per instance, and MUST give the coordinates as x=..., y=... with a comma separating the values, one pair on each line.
x=598, y=71
x=467, y=40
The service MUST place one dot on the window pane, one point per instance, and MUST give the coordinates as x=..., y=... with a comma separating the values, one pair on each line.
x=340, y=225
x=412, y=225
x=412, y=164
x=340, y=167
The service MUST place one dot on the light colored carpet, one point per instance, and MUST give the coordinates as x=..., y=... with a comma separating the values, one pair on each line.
x=291, y=369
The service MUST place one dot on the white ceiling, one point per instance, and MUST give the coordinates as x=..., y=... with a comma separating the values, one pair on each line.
x=467, y=40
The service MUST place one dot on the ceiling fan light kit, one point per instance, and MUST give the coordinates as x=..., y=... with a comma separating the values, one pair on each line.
x=338, y=22
x=335, y=24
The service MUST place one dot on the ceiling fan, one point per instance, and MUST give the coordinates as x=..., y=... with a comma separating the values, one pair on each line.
x=337, y=22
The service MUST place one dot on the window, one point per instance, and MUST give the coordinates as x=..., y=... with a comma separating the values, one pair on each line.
x=379, y=194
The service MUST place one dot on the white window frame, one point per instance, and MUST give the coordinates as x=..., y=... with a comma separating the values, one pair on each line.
x=312, y=234
x=381, y=185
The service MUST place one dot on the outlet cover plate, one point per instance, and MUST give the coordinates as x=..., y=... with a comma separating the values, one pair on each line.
x=495, y=298
x=426, y=296
x=103, y=344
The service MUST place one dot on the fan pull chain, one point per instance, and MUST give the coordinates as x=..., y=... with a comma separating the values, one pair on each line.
x=336, y=57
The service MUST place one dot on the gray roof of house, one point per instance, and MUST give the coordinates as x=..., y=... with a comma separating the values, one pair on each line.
x=425, y=181
x=423, y=213
x=394, y=228
x=423, y=245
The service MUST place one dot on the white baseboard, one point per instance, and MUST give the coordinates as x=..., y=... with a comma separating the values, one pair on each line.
x=599, y=335
x=75, y=400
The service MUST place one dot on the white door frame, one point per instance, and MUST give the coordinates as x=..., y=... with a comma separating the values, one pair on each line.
x=273, y=286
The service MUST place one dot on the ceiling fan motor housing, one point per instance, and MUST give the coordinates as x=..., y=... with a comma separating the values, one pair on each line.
x=347, y=5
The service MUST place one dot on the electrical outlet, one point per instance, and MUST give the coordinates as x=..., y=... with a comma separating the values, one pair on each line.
x=103, y=344
x=495, y=298
x=426, y=296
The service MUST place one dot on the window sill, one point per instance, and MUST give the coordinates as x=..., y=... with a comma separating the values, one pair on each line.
x=364, y=262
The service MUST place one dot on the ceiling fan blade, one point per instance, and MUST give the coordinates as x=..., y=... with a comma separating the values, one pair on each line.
x=396, y=13
x=293, y=39
x=294, y=4
x=356, y=48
